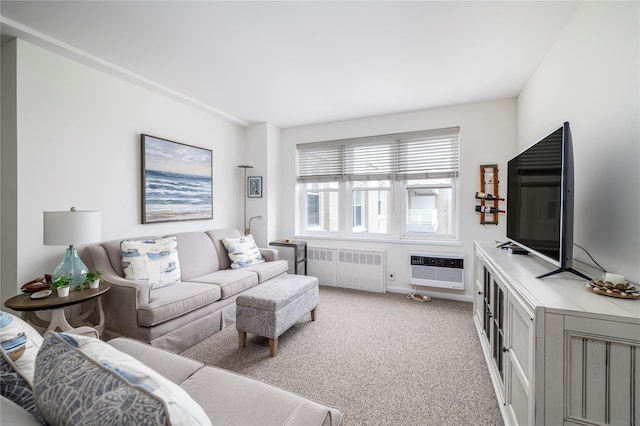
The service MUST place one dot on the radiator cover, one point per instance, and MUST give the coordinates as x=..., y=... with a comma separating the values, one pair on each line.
x=349, y=268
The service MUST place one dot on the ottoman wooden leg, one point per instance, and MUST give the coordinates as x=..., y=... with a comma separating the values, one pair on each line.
x=273, y=347
x=243, y=338
x=313, y=314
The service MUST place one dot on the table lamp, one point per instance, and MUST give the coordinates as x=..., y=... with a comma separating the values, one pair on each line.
x=71, y=228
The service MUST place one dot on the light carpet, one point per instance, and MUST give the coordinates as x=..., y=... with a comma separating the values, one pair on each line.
x=382, y=359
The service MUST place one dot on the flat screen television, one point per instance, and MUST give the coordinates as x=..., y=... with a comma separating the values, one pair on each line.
x=540, y=200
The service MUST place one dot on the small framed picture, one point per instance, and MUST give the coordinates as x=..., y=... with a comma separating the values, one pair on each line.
x=254, y=186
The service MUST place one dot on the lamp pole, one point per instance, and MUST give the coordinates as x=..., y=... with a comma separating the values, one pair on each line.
x=244, y=215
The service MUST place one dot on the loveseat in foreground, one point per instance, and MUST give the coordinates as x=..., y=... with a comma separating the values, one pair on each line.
x=198, y=305
x=70, y=379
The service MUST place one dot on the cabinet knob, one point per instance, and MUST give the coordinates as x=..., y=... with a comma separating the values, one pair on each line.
x=505, y=349
x=479, y=292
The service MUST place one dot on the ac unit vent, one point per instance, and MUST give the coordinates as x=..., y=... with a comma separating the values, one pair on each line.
x=437, y=270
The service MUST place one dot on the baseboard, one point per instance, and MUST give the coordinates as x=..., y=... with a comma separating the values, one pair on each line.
x=431, y=293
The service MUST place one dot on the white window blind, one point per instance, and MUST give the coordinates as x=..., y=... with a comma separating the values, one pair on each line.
x=417, y=155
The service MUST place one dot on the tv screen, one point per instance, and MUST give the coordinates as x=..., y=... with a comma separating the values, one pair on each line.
x=540, y=199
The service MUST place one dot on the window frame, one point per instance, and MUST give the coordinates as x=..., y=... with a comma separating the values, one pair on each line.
x=402, y=150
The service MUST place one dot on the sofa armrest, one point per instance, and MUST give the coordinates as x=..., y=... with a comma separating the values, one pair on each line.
x=270, y=255
x=124, y=297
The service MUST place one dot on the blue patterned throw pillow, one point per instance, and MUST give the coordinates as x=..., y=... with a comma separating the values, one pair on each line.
x=83, y=380
x=242, y=251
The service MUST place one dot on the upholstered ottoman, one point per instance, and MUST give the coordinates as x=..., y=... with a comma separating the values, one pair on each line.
x=270, y=309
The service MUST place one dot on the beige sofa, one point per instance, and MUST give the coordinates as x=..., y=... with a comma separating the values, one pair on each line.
x=99, y=386
x=178, y=316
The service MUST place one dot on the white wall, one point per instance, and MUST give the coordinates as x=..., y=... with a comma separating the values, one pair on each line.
x=590, y=78
x=78, y=144
x=487, y=136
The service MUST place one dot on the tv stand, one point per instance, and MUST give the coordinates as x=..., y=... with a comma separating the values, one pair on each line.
x=560, y=270
x=557, y=354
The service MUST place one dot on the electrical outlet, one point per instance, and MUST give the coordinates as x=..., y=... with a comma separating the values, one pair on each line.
x=392, y=276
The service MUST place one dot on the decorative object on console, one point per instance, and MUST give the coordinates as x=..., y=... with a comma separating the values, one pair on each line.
x=242, y=251
x=154, y=261
x=622, y=290
x=254, y=187
x=71, y=228
x=177, y=181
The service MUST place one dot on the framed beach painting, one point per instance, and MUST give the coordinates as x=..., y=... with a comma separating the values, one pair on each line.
x=177, y=181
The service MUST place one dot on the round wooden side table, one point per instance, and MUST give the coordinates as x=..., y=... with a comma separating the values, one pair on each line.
x=28, y=306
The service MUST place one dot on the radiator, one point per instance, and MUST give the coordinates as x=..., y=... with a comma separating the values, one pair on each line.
x=357, y=269
x=437, y=270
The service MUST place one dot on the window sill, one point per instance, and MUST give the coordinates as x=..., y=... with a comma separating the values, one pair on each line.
x=383, y=240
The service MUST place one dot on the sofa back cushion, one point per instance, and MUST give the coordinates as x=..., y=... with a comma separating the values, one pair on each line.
x=115, y=255
x=216, y=236
x=197, y=254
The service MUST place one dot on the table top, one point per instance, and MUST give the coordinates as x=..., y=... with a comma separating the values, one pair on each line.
x=290, y=243
x=24, y=302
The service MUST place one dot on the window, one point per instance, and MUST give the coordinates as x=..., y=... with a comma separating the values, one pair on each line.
x=321, y=207
x=428, y=207
x=364, y=174
x=370, y=213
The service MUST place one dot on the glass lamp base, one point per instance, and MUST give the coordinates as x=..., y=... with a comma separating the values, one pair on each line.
x=71, y=267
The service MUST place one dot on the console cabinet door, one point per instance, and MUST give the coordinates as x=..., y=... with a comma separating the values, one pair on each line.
x=519, y=364
x=478, y=290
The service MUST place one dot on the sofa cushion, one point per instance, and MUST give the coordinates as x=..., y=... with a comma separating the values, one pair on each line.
x=268, y=270
x=230, y=281
x=173, y=301
x=153, y=261
x=270, y=405
x=242, y=251
x=82, y=380
x=172, y=366
x=197, y=254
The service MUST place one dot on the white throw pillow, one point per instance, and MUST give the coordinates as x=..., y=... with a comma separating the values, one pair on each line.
x=242, y=251
x=154, y=262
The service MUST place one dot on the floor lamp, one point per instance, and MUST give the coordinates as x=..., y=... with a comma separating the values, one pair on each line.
x=244, y=216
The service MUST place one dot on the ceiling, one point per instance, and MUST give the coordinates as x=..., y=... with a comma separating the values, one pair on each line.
x=296, y=63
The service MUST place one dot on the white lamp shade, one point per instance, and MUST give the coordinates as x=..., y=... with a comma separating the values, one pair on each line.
x=72, y=227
